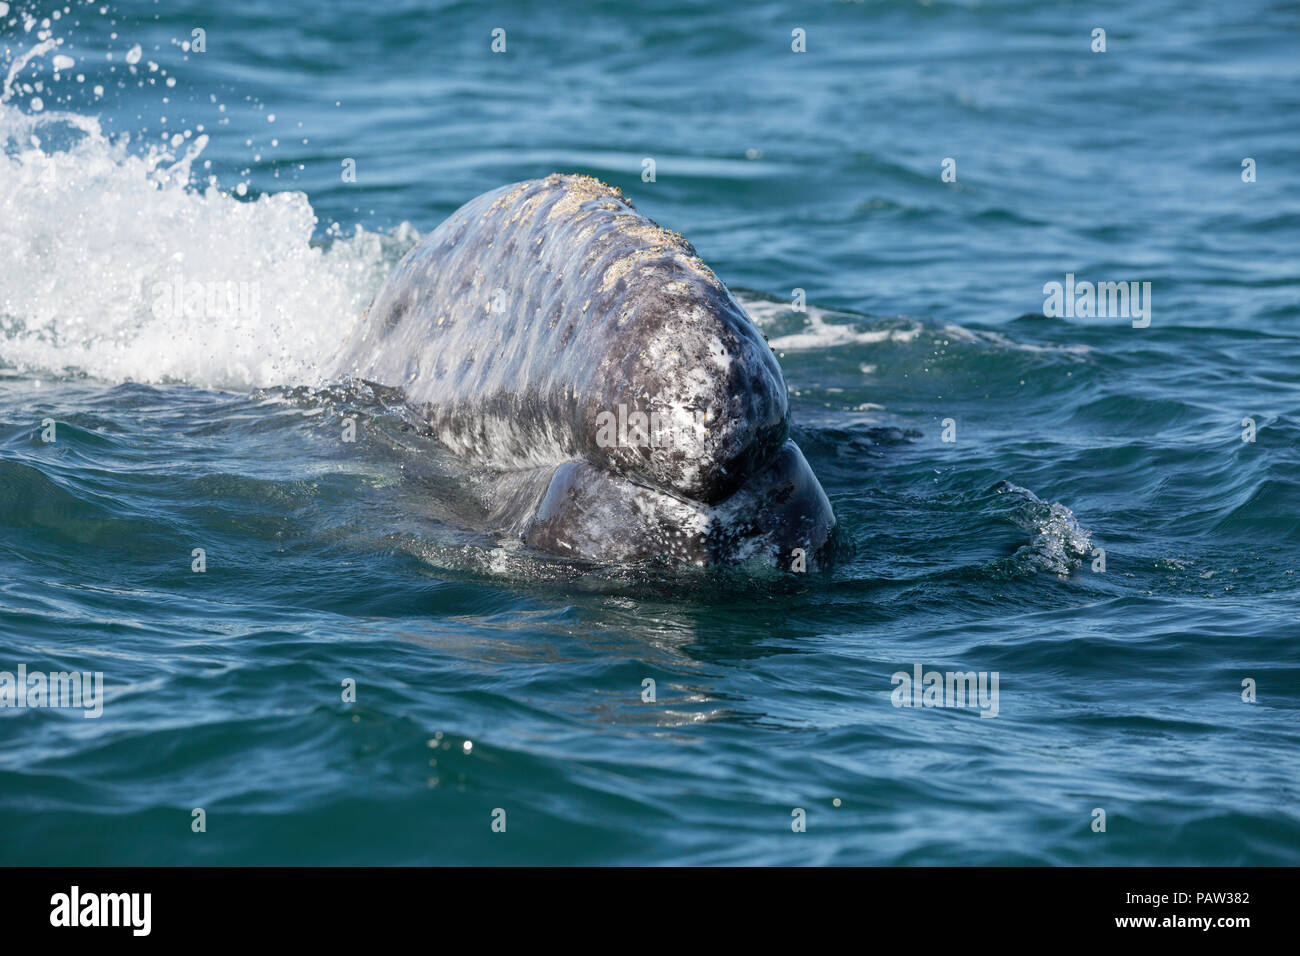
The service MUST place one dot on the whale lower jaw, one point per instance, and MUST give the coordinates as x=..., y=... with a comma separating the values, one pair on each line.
x=779, y=517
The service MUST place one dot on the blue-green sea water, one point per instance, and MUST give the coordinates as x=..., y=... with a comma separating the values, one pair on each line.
x=1114, y=528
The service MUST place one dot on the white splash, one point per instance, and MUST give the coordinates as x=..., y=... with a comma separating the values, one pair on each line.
x=91, y=232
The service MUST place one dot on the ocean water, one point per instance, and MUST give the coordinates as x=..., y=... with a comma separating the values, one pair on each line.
x=1100, y=534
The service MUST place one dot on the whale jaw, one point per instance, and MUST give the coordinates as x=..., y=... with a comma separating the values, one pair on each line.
x=779, y=517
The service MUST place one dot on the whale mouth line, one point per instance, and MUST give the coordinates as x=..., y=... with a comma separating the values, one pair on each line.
x=588, y=511
x=734, y=487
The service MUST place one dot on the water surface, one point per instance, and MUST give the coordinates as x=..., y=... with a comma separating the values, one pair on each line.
x=489, y=679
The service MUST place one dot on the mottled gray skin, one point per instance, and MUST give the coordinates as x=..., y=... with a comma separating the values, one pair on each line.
x=539, y=306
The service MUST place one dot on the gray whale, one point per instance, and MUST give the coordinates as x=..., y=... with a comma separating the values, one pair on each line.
x=623, y=404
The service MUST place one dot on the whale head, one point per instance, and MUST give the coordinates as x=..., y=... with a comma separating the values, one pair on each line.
x=548, y=330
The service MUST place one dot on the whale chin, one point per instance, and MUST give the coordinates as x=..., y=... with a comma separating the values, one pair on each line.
x=779, y=517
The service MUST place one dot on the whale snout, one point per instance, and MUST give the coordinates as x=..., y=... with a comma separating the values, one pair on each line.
x=700, y=407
